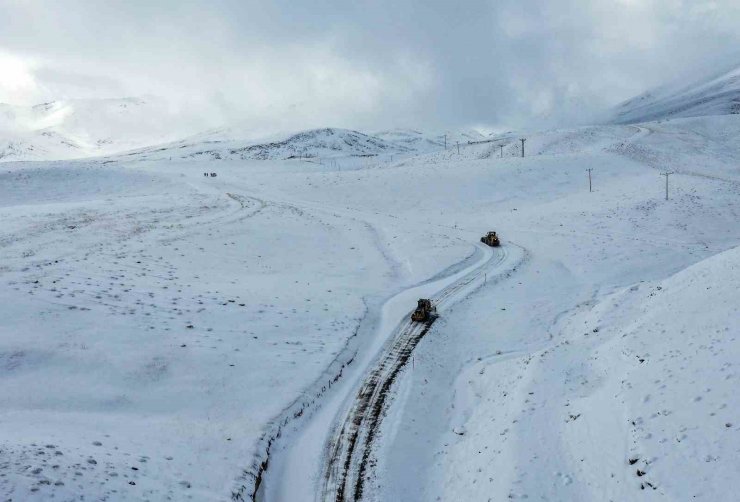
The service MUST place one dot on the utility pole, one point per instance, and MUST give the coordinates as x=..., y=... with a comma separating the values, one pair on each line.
x=589, y=178
x=445, y=142
x=502, y=150
x=666, y=174
x=522, y=140
x=458, y=148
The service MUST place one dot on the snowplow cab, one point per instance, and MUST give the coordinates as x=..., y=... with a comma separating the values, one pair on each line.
x=424, y=310
x=490, y=239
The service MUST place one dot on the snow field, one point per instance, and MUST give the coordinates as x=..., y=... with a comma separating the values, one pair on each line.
x=277, y=265
x=170, y=322
x=476, y=419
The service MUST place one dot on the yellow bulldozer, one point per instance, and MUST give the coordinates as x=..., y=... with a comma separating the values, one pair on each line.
x=490, y=239
x=424, y=311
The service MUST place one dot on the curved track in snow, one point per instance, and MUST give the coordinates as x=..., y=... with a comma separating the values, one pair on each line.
x=350, y=449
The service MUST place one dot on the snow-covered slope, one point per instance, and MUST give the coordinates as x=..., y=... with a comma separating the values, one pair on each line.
x=319, y=144
x=326, y=143
x=666, y=353
x=226, y=144
x=718, y=95
x=39, y=145
x=78, y=128
x=161, y=329
x=423, y=142
x=634, y=398
x=147, y=129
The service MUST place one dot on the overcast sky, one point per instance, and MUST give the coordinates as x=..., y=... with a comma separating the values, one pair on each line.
x=364, y=64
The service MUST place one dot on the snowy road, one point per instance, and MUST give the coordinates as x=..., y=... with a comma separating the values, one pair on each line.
x=349, y=461
x=342, y=430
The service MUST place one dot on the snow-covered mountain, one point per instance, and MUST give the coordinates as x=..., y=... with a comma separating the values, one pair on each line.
x=233, y=143
x=423, y=142
x=147, y=128
x=223, y=144
x=38, y=145
x=718, y=95
x=70, y=129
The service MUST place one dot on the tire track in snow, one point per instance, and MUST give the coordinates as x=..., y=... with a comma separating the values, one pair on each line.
x=251, y=478
x=249, y=484
x=351, y=446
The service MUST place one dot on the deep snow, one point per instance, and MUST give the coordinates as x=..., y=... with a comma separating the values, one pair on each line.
x=283, y=268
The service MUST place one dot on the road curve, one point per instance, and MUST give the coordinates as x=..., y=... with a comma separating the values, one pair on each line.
x=350, y=449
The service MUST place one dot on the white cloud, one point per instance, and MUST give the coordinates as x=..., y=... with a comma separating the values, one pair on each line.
x=426, y=63
x=17, y=83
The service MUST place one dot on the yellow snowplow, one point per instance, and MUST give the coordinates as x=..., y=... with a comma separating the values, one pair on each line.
x=424, y=311
x=490, y=239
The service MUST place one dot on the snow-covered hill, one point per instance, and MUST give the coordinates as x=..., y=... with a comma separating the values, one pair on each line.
x=423, y=142
x=225, y=144
x=70, y=129
x=147, y=129
x=39, y=145
x=634, y=398
x=718, y=95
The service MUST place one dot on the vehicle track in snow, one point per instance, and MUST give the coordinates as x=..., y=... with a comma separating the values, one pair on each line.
x=351, y=446
x=631, y=149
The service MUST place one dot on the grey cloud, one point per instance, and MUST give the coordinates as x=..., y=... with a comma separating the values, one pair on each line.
x=293, y=64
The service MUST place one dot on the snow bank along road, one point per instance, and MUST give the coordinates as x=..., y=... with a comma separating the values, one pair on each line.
x=351, y=446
